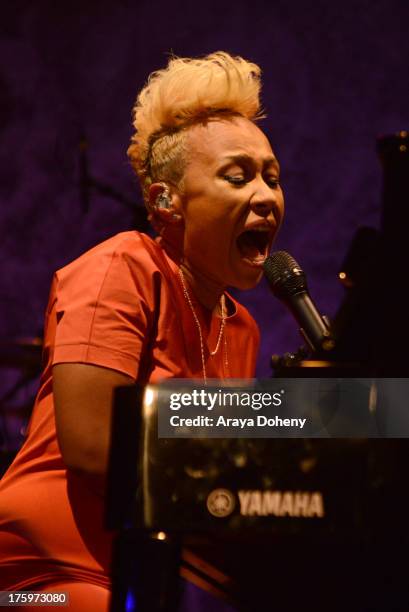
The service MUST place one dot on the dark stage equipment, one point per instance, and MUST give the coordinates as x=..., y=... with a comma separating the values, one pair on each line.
x=269, y=524
x=371, y=326
x=23, y=357
x=88, y=184
x=370, y=331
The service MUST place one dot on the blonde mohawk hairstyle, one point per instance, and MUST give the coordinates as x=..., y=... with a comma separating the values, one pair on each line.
x=186, y=92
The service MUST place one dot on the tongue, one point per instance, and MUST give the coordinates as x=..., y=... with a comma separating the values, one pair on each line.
x=247, y=247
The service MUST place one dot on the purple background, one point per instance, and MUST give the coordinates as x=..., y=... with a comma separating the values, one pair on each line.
x=335, y=77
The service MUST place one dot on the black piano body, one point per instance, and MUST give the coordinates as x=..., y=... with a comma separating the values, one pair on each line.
x=268, y=524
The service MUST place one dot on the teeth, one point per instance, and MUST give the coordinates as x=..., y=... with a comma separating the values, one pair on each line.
x=259, y=229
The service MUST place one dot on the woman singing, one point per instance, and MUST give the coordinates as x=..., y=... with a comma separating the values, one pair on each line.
x=137, y=309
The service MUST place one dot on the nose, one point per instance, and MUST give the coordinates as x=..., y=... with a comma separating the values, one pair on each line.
x=267, y=199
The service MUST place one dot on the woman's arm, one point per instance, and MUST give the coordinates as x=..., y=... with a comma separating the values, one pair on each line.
x=83, y=407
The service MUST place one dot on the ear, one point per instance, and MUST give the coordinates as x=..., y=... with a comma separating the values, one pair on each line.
x=165, y=203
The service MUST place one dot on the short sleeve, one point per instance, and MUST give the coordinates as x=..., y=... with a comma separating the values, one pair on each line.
x=103, y=309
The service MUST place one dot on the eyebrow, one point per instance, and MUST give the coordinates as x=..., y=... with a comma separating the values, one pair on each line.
x=247, y=159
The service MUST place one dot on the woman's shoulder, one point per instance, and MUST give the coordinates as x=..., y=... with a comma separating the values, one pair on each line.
x=127, y=262
x=131, y=244
x=130, y=250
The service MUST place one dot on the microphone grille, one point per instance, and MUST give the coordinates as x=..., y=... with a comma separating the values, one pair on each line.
x=284, y=275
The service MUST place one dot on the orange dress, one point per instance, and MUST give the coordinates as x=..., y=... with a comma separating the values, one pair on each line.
x=120, y=306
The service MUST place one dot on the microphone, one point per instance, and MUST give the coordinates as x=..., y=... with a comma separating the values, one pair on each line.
x=288, y=283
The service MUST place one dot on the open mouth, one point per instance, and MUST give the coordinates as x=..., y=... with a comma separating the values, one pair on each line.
x=253, y=244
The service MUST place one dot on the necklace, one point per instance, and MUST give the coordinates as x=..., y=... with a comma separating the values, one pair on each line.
x=199, y=327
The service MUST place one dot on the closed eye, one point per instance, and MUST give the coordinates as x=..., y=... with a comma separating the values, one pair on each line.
x=272, y=181
x=235, y=180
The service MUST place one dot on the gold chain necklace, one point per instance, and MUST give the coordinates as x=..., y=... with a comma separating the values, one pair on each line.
x=199, y=327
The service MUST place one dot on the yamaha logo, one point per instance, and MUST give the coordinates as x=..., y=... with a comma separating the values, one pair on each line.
x=307, y=504
x=221, y=502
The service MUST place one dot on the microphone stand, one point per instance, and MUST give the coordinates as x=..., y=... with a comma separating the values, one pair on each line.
x=87, y=183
